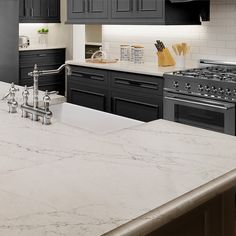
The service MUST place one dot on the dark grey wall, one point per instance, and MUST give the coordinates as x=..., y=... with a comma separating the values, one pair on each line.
x=9, y=36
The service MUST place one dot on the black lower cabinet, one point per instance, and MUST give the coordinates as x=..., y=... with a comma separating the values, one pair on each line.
x=136, y=106
x=91, y=97
x=126, y=94
x=46, y=60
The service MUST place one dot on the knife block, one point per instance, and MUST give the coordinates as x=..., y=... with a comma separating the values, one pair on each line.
x=165, y=58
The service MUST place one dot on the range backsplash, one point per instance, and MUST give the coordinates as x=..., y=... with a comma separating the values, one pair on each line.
x=212, y=40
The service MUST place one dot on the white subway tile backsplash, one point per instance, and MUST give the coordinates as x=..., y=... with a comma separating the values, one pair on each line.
x=212, y=40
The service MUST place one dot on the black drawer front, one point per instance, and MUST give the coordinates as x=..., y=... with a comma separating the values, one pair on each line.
x=89, y=76
x=91, y=97
x=42, y=57
x=136, y=82
x=144, y=108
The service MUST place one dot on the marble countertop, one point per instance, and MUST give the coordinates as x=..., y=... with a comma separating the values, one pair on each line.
x=32, y=48
x=146, y=68
x=59, y=180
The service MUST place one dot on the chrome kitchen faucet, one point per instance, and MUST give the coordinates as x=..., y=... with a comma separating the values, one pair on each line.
x=35, y=110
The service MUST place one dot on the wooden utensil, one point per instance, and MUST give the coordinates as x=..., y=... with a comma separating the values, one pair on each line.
x=184, y=48
x=179, y=48
x=175, y=49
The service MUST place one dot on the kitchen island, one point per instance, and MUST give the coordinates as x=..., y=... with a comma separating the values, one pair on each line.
x=62, y=180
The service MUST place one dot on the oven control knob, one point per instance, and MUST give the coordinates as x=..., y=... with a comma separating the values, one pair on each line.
x=228, y=92
x=214, y=89
x=221, y=91
x=207, y=89
x=200, y=88
x=176, y=84
x=188, y=86
x=234, y=92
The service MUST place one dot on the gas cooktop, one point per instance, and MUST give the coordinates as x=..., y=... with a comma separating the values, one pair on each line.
x=211, y=81
x=220, y=73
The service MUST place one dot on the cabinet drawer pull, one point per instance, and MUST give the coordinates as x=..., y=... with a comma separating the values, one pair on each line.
x=42, y=55
x=96, y=78
x=89, y=76
x=115, y=99
x=136, y=83
x=77, y=74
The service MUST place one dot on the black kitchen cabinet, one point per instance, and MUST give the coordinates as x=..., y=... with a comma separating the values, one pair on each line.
x=160, y=12
x=46, y=60
x=88, y=87
x=125, y=94
x=136, y=96
x=137, y=106
x=87, y=96
x=87, y=9
x=22, y=10
x=137, y=9
x=39, y=11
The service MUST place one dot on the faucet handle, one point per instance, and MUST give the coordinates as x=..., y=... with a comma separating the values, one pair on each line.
x=46, y=100
x=12, y=103
x=13, y=89
x=11, y=92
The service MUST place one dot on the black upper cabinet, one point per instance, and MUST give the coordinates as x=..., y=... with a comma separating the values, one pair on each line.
x=169, y=12
x=87, y=9
x=137, y=9
x=39, y=11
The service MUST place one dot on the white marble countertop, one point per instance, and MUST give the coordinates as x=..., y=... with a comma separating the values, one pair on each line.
x=32, y=48
x=146, y=68
x=59, y=180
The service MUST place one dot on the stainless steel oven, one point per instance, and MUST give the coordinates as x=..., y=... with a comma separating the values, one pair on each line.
x=200, y=112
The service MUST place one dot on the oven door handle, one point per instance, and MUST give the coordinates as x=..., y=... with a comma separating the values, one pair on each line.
x=221, y=107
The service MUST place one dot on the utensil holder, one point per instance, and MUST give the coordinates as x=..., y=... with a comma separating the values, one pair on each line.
x=165, y=58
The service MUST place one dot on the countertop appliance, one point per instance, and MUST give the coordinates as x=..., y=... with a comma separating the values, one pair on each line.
x=204, y=97
x=9, y=27
x=24, y=41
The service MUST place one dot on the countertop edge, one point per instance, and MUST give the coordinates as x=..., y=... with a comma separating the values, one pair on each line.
x=41, y=48
x=123, y=68
x=160, y=216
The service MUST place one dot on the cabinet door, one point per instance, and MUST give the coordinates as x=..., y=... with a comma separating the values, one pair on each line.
x=91, y=97
x=149, y=8
x=53, y=10
x=87, y=9
x=139, y=107
x=23, y=10
x=77, y=9
x=137, y=9
x=37, y=10
x=97, y=9
x=122, y=8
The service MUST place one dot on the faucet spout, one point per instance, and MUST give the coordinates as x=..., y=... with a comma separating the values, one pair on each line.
x=57, y=71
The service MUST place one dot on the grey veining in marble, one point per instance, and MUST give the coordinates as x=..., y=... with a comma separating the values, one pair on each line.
x=62, y=181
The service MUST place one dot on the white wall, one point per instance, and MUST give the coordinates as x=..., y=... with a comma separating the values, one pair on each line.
x=213, y=40
x=59, y=34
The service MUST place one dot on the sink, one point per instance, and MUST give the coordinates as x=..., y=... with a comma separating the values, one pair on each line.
x=89, y=119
